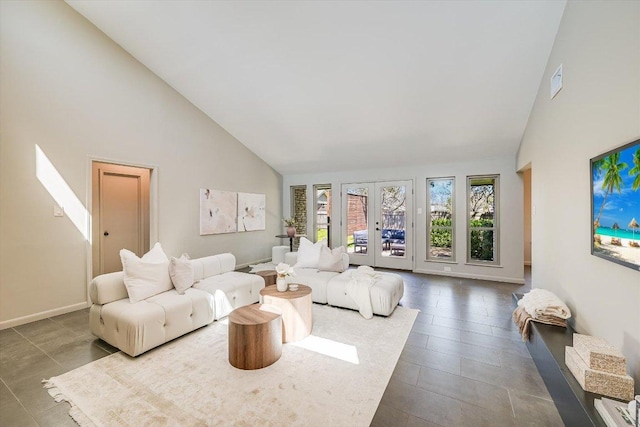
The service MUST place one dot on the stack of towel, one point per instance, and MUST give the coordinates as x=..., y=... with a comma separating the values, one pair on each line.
x=541, y=306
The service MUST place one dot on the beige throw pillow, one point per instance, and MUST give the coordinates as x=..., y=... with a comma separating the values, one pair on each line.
x=332, y=259
x=181, y=272
x=147, y=276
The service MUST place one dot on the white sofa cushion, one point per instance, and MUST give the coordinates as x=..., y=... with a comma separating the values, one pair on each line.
x=213, y=265
x=146, y=276
x=181, y=272
x=309, y=253
x=136, y=328
x=231, y=290
x=386, y=292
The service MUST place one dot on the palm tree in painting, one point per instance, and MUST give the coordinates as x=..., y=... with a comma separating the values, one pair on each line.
x=635, y=170
x=612, y=167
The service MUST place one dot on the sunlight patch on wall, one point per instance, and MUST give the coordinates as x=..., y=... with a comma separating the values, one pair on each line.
x=330, y=348
x=51, y=179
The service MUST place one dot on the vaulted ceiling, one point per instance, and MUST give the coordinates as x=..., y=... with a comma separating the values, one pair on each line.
x=320, y=86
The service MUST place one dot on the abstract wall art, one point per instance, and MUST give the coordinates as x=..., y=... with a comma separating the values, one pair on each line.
x=218, y=211
x=251, y=212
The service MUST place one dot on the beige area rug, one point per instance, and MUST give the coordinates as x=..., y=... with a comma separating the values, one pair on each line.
x=334, y=377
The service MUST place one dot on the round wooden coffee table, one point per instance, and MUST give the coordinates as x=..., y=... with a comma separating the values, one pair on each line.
x=296, y=306
x=255, y=336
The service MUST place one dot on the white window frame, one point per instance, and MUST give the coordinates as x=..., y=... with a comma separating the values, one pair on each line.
x=496, y=221
x=452, y=259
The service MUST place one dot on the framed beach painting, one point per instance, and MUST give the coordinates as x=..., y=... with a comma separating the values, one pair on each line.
x=615, y=205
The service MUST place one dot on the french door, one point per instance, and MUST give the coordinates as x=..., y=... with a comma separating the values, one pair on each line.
x=377, y=223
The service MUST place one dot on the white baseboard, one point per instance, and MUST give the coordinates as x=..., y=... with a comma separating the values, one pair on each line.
x=519, y=281
x=42, y=315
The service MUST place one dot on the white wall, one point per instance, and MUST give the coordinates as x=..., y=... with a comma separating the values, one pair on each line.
x=511, y=267
x=72, y=91
x=598, y=109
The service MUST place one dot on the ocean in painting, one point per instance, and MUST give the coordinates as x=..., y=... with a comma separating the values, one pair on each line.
x=622, y=234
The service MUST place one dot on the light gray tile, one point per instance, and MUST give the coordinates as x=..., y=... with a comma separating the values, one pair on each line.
x=527, y=381
x=477, y=393
x=462, y=325
x=77, y=353
x=31, y=393
x=502, y=344
x=533, y=411
x=433, y=359
x=417, y=340
x=419, y=422
x=15, y=415
x=436, y=331
x=31, y=365
x=406, y=372
x=469, y=351
x=57, y=416
x=388, y=416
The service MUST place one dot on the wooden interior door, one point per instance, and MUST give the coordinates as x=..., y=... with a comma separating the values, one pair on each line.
x=120, y=214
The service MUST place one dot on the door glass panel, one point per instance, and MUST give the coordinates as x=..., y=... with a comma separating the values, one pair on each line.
x=357, y=222
x=393, y=205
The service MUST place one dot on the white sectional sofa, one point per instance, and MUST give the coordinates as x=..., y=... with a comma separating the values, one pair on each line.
x=329, y=287
x=136, y=328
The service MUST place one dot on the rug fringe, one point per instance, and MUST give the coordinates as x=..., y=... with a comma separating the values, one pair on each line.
x=74, y=412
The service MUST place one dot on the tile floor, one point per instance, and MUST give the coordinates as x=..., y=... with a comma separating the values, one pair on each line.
x=464, y=363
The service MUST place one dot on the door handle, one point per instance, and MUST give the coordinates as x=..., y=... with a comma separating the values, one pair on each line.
x=106, y=233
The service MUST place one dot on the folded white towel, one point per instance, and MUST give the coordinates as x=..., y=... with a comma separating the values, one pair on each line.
x=540, y=302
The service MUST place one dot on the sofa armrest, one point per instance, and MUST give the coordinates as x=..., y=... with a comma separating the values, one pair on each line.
x=108, y=288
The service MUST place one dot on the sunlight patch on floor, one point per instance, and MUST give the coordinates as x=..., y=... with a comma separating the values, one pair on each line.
x=337, y=350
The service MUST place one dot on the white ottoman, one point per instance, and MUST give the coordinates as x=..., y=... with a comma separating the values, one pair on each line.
x=386, y=292
x=277, y=254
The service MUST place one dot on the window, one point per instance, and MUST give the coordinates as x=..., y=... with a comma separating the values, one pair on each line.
x=299, y=208
x=440, y=226
x=322, y=205
x=482, y=213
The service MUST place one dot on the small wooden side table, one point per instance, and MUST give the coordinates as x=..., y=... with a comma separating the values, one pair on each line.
x=296, y=306
x=255, y=336
x=269, y=276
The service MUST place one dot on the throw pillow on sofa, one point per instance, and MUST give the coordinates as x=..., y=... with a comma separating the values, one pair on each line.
x=309, y=253
x=181, y=272
x=332, y=260
x=147, y=276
